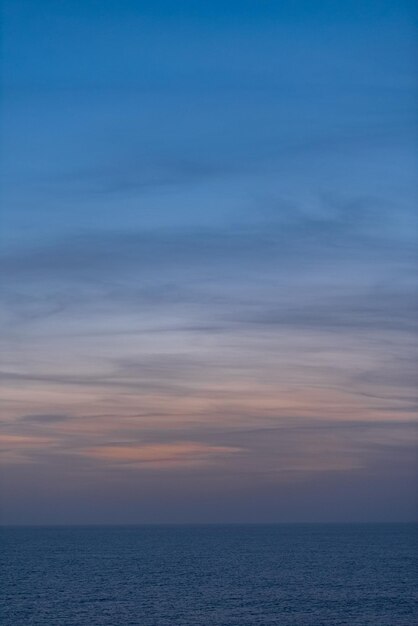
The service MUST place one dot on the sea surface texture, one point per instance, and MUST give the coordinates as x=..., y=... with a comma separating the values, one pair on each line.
x=297, y=575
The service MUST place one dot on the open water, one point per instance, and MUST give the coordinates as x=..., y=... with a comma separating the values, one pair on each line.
x=299, y=575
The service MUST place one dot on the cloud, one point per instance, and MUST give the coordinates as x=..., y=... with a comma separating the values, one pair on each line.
x=160, y=456
x=337, y=230
x=265, y=444
x=324, y=273
x=375, y=309
x=45, y=418
x=17, y=448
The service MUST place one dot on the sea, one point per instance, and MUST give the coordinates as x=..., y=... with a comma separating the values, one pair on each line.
x=232, y=575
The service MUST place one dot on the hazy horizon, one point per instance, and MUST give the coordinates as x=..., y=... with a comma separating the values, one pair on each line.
x=203, y=524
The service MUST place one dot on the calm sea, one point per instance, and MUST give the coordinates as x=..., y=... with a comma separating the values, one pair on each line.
x=210, y=575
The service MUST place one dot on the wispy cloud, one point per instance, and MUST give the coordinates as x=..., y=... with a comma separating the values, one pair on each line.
x=160, y=456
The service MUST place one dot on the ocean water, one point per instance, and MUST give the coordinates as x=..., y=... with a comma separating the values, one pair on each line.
x=299, y=575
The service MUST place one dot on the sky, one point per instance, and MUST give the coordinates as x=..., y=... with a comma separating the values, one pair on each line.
x=208, y=258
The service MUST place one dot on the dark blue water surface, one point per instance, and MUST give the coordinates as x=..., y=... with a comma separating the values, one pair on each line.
x=210, y=575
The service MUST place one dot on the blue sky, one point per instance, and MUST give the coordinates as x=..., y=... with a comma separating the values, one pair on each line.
x=208, y=243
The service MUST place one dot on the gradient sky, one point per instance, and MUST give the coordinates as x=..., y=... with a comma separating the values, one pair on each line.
x=208, y=233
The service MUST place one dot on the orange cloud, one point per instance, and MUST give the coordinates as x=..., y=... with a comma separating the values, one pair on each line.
x=14, y=448
x=160, y=455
